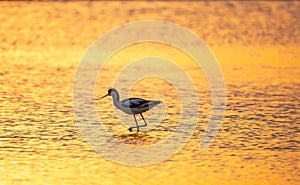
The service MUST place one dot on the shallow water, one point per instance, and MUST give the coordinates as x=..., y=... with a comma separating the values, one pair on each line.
x=256, y=44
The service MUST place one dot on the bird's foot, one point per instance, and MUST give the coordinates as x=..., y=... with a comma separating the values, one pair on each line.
x=130, y=129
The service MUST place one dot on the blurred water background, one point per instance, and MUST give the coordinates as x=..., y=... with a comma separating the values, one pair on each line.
x=255, y=43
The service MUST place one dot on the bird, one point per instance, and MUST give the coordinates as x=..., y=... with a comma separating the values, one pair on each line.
x=132, y=106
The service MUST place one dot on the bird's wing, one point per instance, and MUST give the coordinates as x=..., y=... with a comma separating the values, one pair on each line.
x=134, y=102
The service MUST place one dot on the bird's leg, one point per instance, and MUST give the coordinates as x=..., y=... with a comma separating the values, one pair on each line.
x=137, y=125
x=144, y=121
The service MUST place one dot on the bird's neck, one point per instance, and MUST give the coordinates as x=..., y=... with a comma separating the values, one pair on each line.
x=115, y=97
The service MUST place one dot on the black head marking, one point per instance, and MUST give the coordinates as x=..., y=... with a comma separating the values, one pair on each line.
x=110, y=91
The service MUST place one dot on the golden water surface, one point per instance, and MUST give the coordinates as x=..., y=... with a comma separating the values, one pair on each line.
x=255, y=43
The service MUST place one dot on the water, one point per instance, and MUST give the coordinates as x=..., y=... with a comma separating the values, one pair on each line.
x=256, y=45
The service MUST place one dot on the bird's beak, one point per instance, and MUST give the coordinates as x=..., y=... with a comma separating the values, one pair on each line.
x=102, y=97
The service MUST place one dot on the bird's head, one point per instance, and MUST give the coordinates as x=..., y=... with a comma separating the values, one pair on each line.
x=109, y=93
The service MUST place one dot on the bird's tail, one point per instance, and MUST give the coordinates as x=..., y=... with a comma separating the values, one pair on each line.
x=154, y=103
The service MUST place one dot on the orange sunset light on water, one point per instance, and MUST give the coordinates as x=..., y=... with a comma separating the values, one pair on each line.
x=255, y=43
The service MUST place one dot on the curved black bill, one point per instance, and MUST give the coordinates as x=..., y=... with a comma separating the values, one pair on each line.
x=102, y=97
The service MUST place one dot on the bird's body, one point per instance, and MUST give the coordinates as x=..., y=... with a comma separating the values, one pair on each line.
x=132, y=106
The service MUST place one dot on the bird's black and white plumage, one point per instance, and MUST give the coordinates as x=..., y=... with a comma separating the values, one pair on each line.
x=132, y=106
x=138, y=105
